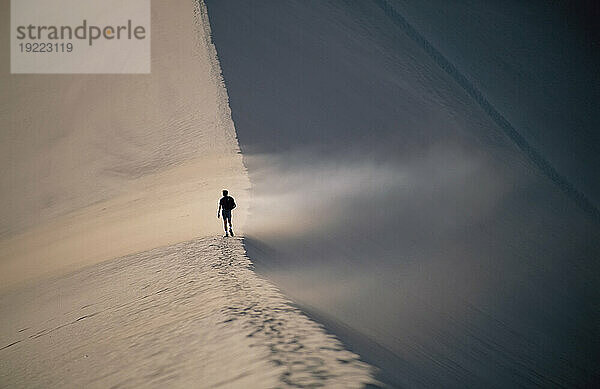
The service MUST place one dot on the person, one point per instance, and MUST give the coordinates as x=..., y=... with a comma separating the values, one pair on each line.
x=226, y=205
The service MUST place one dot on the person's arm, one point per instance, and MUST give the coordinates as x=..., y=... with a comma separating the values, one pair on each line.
x=219, y=210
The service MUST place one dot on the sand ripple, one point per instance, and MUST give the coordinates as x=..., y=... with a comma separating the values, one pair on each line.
x=188, y=315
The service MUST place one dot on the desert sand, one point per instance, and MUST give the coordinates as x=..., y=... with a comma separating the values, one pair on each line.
x=193, y=314
x=103, y=176
x=99, y=166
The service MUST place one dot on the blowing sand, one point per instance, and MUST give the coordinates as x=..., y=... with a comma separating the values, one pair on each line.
x=98, y=167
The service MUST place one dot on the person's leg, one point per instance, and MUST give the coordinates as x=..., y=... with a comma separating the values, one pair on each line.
x=225, y=223
x=230, y=225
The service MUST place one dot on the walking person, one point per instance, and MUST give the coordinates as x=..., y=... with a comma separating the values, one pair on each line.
x=226, y=205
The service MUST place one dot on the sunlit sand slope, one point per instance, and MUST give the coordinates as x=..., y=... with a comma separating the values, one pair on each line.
x=189, y=315
x=99, y=166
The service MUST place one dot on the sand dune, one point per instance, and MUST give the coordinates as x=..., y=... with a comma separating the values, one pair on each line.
x=96, y=167
x=99, y=166
x=425, y=194
x=189, y=315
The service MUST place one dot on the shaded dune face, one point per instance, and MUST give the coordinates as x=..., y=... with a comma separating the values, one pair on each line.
x=535, y=63
x=386, y=199
x=98, y=166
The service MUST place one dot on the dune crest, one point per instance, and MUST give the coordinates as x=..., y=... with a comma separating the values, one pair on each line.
x=100, y=166
x=192, y=314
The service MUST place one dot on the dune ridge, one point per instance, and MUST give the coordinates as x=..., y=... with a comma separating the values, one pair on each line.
x=193, y=314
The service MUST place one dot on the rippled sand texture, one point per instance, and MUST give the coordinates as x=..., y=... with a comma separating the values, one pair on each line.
x=189, y=315
x=95, y=167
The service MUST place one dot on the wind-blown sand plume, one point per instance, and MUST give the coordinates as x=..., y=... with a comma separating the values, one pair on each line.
x=422, y=177
x=189, y=315
x=99, y=166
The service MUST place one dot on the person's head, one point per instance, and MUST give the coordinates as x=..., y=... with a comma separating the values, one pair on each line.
x=225, y=192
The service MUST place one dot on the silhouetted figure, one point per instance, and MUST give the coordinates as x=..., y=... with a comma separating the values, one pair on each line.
x=226, y=205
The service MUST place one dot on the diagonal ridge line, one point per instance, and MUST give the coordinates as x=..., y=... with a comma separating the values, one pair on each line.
x=534, y=156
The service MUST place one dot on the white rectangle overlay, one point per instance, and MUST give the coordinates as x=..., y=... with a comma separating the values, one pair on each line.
x=80, y=36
